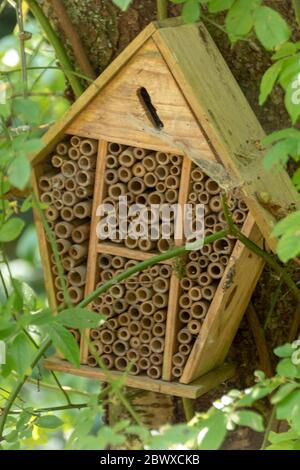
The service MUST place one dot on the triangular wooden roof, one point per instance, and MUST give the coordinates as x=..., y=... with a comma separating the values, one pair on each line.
x=217, y=122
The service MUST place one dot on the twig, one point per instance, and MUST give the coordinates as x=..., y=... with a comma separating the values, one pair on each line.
x=162, y=9
x=22, y=40
x=274, y=300
x=49, y=67
x=260, y=341
x=296, y=7
x=72, y=35
x=58, y=47
x=268, y=429
x=54, y=388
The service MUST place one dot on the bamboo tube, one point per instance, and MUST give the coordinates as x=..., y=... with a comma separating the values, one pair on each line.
x=126, y=158
x=120, y=305
x=63, y=229
x=215, y=270
x=161, y=187
x=224, y=246
x=179, y=360
x=129, y=264
x=108, y=361
x=130, y=243
x=143, y=294
x=185, y=316
x=208, y=292
x=70, y=263
x=107, y=348
x=54, y=269
x=81, y=233
x=145, y=278
x=149, y=163
x=138, y=170
x=135, y=328
x=123, y=333
x=198, y=187
x=120, y=347
x=78, y=251
x=70, y=184
x=75, y=141
x=147, y=308
x=58, y=283
x=113, y=323
x=162, y=158
x=106, y=275
x=146, y=245
x=224, y=260
x=62, y=245
x=193, y=270
x=58, y=182
x=115, y=149
x=155, y=198
x=162, y=173
x=84, y=192
x=85, y=178
x=74, y=153
x=117, y=190
x=161, y=285
x=160, y=316
x=124, y=174
x=97, y=302
x=163, y=245
x=131, y=297
x=107, y=311
x=165, y=271
x=51, y=213
x=194, y=255
x=134, y=312
x=172, y=182
x=215, y=204
x=147, y=323
x=83, y=209
x=212, y=187
x=108, y=299
x=52, y=257
x=242, y=206
x=67, y=214
x=98, y=346
x=86, y=162
x=51, y=225
x=194, y=327
x=124, y=319
x=144, y=363
x=45, y=182
x=134, y=369
x=177, y=372
x=117, y=291
x=238, y=216
x=214, y=257
x=131, y=285
x=195, y=293
x=193, y=197
x=145, y=350
x=111, y=161
x=185, y=301
x=185, y=349
x=203, y=198
x=145, y=337
x=150, y=180
x=118, y=262
x=184, y=336
x=105, y=261
x=132, y=355
x=136, y=185
x=107, y=336
x=69, y=169
x=199, y=309
x=62, y=148
x=57, y=161
x=91, y=361
x=59, y=295
x=159, y=330
x=77, y=276
x=46, y=197
x=175, y=170
x=88, y=147
x=140, y=153
x=156, y=359
x=135, y=342
x=94, y=333
x=175, y=159
x=171, y=196
x=157, y=345
x=210, y=220
x=154, y=372
x=197, y=175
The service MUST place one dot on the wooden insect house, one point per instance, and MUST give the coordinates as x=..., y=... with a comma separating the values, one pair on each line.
x=164, y=123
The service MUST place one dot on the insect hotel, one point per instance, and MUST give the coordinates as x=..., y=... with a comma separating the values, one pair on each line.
x=164, y=123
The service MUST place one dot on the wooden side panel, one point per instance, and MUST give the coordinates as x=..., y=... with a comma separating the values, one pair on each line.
x=193, y=390
x=117, y=115
x=44, y=247
x=117, y=250
x=226, y=117
x=227, y=308
x=92, y=253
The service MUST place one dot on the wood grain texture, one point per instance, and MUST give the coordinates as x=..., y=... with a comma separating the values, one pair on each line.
x=227, y=308
x=226, y=117
x=117, y=250
x=117, y=115
x=194, y=390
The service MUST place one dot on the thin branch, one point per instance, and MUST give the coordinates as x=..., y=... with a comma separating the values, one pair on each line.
x=162, y=9
x=296, y=7
x=22, y=39
x=260, y=341
x=54, y=388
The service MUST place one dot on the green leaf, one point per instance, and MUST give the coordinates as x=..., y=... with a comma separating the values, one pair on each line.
x=122, y=4
x=212, y=432
x=21, y=353
x=288, y=247
x=79, y=318
x=240, y=18
x=191, y=11
x=11, y=229
x=285, y=50
x=49, y=422
x=27, y=204
x=251, y=419
x=286, y=350
x=279, y=154
x=271, y=29
x=27, y=110
x=42, y=318
x=19, y=172
x=268, y=81
x=283, y=392
x=65, y=342
x=290, y=225
x=275, y=437
x=285, y=368
x=296, y=178
x=287, y=133
x=289, y=407
x=215, y=6
x=292, y=99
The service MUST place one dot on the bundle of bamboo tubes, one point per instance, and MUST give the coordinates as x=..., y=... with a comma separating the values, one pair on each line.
x=133, y=335
x=144, y=177
x=204, y=268
x=67, y=188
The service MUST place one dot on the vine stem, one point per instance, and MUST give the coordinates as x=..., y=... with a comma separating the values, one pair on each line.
x=162, y=9
x=178, y=251
x=57, y=45
x=296, y=7
x=22, y=39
